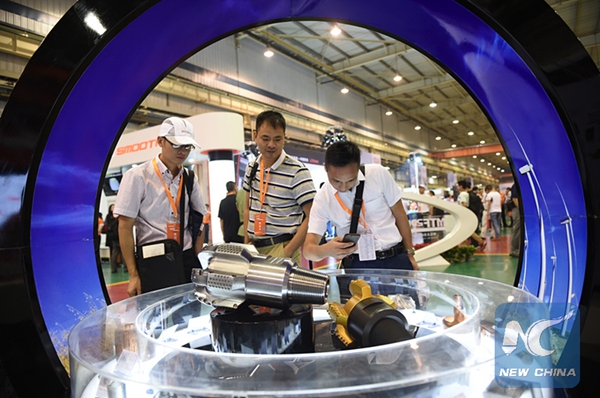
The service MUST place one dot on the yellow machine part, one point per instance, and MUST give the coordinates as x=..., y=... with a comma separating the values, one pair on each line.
x=339, y=313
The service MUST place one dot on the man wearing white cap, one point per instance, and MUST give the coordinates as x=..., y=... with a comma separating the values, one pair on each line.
x=149, y=198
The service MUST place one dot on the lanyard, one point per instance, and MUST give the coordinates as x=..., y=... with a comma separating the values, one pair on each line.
x=167, y=191
x=347, y=210
x=263, y=187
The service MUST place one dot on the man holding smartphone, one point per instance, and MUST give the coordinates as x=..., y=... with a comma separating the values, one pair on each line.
x=385, y=236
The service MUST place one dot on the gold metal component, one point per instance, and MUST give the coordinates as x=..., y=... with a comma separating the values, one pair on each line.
x=458, y=316
x=339, y=313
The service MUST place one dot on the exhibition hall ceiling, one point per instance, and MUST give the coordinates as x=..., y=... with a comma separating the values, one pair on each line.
x=382, y=69
x=401, y=78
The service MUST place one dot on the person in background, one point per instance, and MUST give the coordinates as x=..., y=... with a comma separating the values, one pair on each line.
x=507, y=207
x=206, y=226
x=494, y=209
x=434, y=211
x=229, y=215
x=240, y=203
x=482, y=227
x=148, y=199
x=280, y=191
x=112, y=238
x=100, y=228
x=515, y=240
x=385, y=235
x=464, y=199
x=423, y=210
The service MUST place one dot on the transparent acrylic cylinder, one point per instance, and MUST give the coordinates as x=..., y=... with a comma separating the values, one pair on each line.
x=147, y=346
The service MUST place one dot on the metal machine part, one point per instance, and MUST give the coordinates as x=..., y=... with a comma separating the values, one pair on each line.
x=458, y=316
x=231, y=275
x=368, y=320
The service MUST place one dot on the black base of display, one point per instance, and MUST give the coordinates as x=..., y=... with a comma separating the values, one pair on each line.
x=253, y=329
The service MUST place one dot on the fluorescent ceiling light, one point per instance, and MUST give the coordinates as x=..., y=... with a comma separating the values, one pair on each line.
x=94, y=23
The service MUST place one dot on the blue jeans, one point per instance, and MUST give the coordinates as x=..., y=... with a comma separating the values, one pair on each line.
x=495, y=218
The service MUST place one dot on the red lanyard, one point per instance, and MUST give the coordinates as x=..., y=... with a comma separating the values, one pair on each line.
x=263, y=187
x=167, y=191
x=347, y=210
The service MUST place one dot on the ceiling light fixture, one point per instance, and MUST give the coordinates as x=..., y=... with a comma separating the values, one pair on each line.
x=438, y=138
x=335, y=30
x=470, y=133
x=417, y=127
x=344, y=90
x=497, y=153
x=432, y=104
x=453, y=145
x=482, y=160
x=397, y=78
x=455, y=121
x=94, y=23
x=268, y=52
x=482, y=142
x=474, y=156
x=389, y=112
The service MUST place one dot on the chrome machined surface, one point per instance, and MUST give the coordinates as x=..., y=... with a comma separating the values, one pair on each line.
x=231, y=275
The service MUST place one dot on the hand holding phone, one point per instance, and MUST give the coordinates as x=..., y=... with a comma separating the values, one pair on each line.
x=351, y=238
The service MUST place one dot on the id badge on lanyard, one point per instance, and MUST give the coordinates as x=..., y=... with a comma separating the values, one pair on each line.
x=366, y=246
x=260, y=219
x=173, y=228
x=260, y=224
x=173, y=231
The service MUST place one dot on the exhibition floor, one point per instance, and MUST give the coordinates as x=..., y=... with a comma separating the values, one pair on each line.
x=494, y=264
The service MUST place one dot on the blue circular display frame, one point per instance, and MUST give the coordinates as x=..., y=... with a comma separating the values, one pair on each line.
x=124, y=69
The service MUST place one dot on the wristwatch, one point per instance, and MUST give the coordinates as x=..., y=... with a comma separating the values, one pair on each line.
x=411, y=251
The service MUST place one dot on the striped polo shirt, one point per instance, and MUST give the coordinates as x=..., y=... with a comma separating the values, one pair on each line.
x=290, y=187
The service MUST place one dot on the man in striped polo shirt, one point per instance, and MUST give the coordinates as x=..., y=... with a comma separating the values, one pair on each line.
x=280, y=193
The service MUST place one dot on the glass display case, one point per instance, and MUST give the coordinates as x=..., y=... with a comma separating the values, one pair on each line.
x=160, y=345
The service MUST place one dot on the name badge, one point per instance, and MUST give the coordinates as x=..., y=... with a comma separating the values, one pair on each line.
x=260, y=224
x=173, y=231
x=366, y=247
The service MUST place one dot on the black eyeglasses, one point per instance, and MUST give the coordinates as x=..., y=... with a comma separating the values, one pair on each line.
x=184, y=147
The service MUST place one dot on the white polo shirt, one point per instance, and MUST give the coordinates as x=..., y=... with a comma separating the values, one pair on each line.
x=142, y=196
x=495, y=199
x=380, y=193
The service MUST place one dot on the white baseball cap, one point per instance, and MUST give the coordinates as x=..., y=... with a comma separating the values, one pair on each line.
x=178, y=131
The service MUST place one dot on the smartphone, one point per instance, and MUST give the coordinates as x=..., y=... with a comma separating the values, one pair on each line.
x=351, y=238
